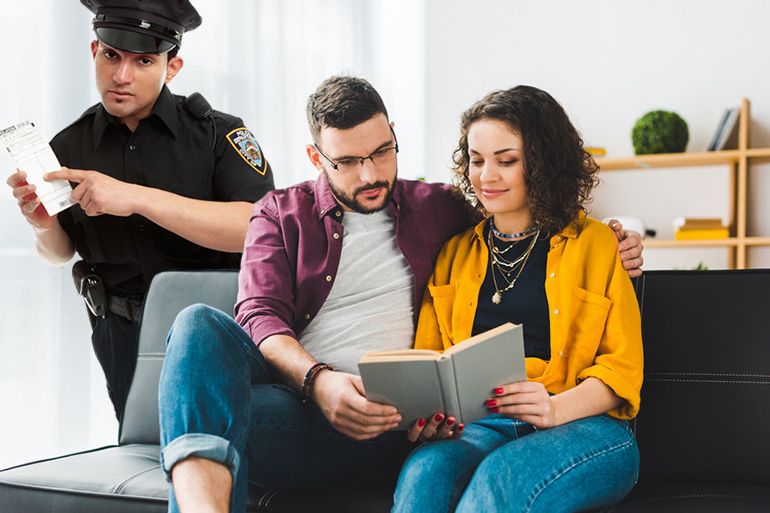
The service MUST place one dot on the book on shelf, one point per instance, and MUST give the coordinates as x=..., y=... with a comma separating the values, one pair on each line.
x=596, y=151
x=456, y=382
x=698, y=223
x=709, y=234
x=725, y=135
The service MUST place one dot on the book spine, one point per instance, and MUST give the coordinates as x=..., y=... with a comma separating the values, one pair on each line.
x=449, y=396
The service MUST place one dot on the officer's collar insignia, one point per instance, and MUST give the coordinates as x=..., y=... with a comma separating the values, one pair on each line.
x=246, y=145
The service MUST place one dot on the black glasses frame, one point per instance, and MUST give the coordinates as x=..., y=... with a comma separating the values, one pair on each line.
x=360, y=159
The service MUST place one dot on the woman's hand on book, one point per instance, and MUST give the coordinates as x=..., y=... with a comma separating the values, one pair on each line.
x=343, y=402
x=437, y=427
x=527, y=401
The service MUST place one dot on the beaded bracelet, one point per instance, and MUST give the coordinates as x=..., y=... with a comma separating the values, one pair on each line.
x=310, y=376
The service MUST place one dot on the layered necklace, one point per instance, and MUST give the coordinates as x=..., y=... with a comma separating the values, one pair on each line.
x=506, y=267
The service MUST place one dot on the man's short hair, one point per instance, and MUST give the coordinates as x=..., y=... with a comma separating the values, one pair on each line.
x=342, y=102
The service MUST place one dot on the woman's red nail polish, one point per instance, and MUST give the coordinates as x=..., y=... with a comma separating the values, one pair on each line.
x=499, y=390
x=491, y=402
x=450, y=421
x=460, y=427
x=421, y=422
x=438, y=417
x=495, y=409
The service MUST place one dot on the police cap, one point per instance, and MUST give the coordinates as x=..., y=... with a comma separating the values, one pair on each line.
x=142, y=26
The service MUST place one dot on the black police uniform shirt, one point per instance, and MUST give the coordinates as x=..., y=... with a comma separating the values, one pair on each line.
x=170, y=150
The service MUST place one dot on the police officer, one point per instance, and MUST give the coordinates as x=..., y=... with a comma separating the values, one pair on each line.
x=161, y=181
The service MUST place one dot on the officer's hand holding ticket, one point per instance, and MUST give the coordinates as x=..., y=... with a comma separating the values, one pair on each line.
x=29, y=203
x=34, y=158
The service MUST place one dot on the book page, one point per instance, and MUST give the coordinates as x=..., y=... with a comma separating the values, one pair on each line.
x=400, y=354
x=397, y=358
x=32, y=154
x=481, y=337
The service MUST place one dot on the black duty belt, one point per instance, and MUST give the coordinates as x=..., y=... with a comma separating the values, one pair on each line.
x=99, y=301
x=128, y=307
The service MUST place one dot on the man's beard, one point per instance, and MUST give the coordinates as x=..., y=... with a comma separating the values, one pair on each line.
x=355, y=205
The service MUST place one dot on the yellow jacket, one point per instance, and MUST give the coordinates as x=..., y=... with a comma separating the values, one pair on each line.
x=594, y=315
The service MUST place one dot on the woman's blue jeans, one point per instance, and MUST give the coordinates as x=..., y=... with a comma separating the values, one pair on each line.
x=501, y=464
x=219, y=400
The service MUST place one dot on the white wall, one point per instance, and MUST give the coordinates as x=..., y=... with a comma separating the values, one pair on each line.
x=609, y=62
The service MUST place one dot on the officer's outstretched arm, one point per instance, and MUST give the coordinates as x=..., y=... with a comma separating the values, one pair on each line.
x=215, y=225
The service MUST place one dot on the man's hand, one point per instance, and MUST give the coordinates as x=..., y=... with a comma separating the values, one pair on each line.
x=343, y=402
x=29, y=202
x=630, y=248
x=97, y=193
x=433, y=429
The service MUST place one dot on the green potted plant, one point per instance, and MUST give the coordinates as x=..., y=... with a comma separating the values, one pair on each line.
x=660, y=131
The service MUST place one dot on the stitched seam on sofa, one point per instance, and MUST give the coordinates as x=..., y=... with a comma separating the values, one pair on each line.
x=690, y=496
x=118, y=489
x=718, y=374
x=708, y=381
x=156, y=459
x=589, y=458
x=36, y=486
x=151, y=356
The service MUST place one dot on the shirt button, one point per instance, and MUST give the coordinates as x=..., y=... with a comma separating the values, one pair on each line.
x=559, y=353
x=307, y=316
x=336, y=235
x=132, y=147
x=338, y=213
x=141, y=227
x=323, y=211
x=329, y=278
x=553, y=274
x=556, y=312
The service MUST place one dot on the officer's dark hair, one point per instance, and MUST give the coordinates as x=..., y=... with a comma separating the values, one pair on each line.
x=342, y=102
x=172, y=53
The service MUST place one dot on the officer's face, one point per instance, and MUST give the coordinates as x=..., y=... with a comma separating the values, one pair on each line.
x=129, y=83
x=366, y=187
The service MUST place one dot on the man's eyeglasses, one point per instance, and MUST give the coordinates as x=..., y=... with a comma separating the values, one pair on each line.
x=350, y=164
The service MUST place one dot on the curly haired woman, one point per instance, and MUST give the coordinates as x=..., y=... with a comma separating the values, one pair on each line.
x=559, y=441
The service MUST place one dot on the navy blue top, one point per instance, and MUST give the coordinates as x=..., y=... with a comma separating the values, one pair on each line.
x=525, y=303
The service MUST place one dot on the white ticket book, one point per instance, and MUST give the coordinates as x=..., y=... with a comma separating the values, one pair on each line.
x=33, y=155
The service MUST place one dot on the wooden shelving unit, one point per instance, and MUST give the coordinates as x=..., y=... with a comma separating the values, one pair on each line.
x=738, y=160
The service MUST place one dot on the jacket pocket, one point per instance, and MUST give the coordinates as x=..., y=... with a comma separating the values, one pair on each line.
x=587, y=322
x=443, y=304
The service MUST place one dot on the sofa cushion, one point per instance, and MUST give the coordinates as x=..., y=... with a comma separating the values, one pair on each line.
x=128, y=479
x=111, y=479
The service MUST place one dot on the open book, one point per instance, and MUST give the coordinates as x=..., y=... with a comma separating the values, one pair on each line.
x=457, y=382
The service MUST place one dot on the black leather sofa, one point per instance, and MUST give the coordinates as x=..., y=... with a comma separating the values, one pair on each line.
x=702, y=427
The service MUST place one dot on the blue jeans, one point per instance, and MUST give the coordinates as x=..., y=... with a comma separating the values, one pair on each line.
x=501, y=464
x=219, y=400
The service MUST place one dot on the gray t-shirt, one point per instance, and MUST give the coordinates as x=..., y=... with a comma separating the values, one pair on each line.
x=370, y=306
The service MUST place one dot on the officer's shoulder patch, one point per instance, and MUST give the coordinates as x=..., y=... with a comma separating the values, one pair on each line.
x=247, y=147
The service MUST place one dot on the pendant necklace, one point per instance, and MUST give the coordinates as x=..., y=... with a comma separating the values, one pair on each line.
x=496, y=262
